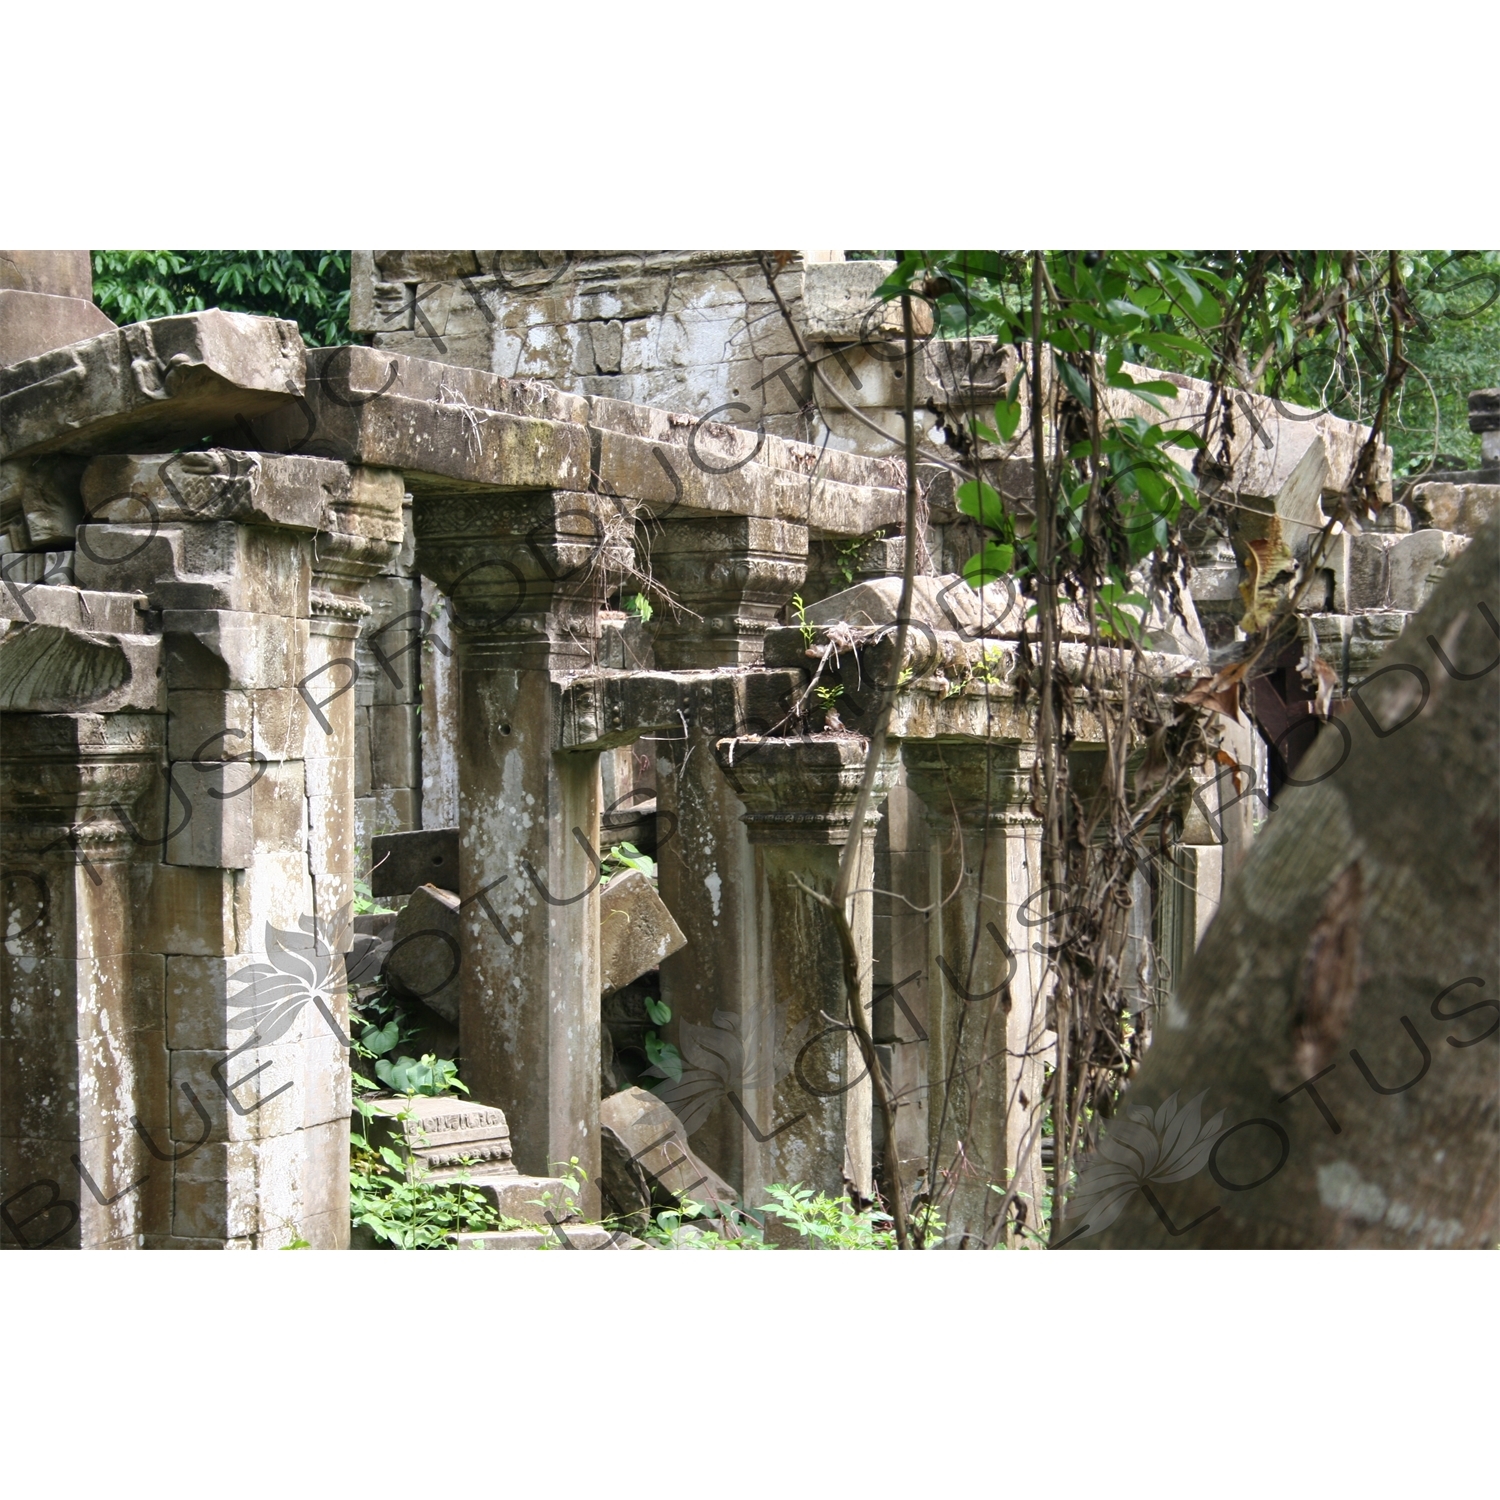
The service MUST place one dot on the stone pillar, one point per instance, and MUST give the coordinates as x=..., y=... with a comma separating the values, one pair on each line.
x=526, y=574
x=246, y=895
x=804, y=1096
x=46, y=302
x=985, y=1011
x=901, y=979
x=82, y=1048
x=735, y=573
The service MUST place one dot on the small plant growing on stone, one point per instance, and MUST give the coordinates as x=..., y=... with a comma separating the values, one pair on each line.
x=826, y=1223
x=639, y=606
x=800, y=610
x=663, y=1055
x=429, y=1075
x=622, y=857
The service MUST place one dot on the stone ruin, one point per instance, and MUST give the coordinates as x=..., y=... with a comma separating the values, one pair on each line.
x=277, y=619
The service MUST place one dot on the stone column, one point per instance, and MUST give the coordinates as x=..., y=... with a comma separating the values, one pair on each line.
x=803, y=1095
x=245, y=896
x=526, y=574
x=735, y=573
x=985, y=1013
x=82, y=1049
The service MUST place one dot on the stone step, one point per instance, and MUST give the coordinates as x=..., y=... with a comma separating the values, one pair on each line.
x=579, y=1237
x=526, y=1198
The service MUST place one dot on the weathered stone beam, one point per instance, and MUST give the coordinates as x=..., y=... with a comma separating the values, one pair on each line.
x=169, y=381
x=600, y=710
x=444, y=427
x=60, y=669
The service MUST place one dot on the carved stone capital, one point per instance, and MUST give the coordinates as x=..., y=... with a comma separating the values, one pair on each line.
x=802, y=791
x=733, y=575
x=78, y=772
x=984, y=785
x=525, y=571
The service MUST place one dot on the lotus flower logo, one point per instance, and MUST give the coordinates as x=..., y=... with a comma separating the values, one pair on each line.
x=1145, y=1147
x=305, y=967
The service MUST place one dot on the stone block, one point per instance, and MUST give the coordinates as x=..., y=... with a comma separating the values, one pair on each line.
x=252, y=489
x=944, y=603
x=55, y=273
x=1461, y=508
x=1415, y=564
x=33, y=323
x=168, y=381
x=198, y=993
x=636, y=931
x=182, y=909
x=211, y=819
x=198, y=565
x=839, y=303
x=1361, y=577
x=210, y=725
x=444, y=1136
x=436, y=423
x=393, y=745
x=402, y=861
x=222, y=650
x=275, y=889
x=76, y=609
x=426, y=952
x=654, y=1137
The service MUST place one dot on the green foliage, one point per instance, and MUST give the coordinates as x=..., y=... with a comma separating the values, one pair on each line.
x=639, y=606
x=662, y=1054
x=622, y=857
x=428, y=1075
x=826, y=1223
x=311, y=287
x=365, y=904
x=695, y=1227
x=800, y=610
x=403, y=1208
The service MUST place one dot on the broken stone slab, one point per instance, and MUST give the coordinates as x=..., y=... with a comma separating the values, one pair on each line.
x=55, y=273
x=250, y=489
x=839, y=304
x=1415, y=564
x=446, y=428
x=426, y=955
x=442, y=1135
x=652, y=1136
x=400, y=862
x=33, y=323
x=454, y=1141
x=636, y=931
x=997, y=611
x=48, y=668
x=171, y=380
x=1462, y=508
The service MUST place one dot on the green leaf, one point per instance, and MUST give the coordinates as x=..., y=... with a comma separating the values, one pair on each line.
x=1008, y=418
x=982, y=502
x=659, y=1011
x=1076, y=383
x=994, y=561
x=665, y=1056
